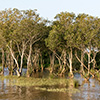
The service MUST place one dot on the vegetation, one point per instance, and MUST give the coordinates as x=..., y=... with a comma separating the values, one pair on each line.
x=70, y=43
x=47, y=84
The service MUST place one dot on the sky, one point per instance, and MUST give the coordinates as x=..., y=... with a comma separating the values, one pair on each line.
x=49, y=8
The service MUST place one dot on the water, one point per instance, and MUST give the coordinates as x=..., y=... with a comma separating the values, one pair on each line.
x=88, y=91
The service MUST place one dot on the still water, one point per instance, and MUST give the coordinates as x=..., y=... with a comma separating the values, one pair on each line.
x=88, y=91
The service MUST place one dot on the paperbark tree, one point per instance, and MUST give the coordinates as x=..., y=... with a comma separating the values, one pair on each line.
x=61, y=36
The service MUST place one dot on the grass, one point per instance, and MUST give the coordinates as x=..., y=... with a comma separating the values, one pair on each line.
x=47, y=84
x=69, y=90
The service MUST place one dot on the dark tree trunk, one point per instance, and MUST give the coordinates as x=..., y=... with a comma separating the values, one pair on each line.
x=41, y=63
x=12, y=65
x=37, y=62
x=52, y=59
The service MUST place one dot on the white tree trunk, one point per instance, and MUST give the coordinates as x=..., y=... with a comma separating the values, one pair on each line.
x=12, y=54
x=70, y=61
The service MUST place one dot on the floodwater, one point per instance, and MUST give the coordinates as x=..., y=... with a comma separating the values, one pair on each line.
x=88, y=91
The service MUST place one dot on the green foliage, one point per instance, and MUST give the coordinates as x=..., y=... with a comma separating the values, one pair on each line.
x=62, y=32
x=24, y=34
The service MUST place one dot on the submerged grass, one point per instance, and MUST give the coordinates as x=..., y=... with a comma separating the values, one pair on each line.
x=42, y=83
x=69, y=90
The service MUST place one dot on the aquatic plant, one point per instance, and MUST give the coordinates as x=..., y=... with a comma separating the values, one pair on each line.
x=69, y=90
x=24, y=81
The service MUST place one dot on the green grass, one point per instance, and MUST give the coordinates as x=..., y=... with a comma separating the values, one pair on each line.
x=58, y=85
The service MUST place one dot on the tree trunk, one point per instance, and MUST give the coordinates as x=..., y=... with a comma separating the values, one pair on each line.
x=12, y=54
x=41, y=63
x=29, y=61
x=3, y=61
x=12, y=65
x=94, y=61
x=64, y=61
x=60, y=64
x=70, y=61
x=52, y=59
x=83, y=64
x=37, y=62
x=22, y=56
x=8, y=59
x=82, y=61
x=88, y=63
x=18, y=73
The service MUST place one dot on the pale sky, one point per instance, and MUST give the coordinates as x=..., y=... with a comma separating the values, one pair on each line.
x=49, y=8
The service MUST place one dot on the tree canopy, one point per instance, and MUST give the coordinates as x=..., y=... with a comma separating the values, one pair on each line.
x=26, y=39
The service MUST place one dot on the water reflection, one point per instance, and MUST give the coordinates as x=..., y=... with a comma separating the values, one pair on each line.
x=88, y=91
x=29, y=93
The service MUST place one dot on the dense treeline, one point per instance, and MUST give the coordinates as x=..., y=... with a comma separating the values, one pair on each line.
x=69, y=43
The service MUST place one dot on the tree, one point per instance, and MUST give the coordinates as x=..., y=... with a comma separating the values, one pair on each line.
x=60, y=37
x=32, y=27
x=87, y=29
x=8, y=24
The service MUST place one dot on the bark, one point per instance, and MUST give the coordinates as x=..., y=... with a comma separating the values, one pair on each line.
x=8, y=59
x=88, y=63
x=29, y=61
x=70, y=61
x=52, y=59
x=94, y=61
x=82, y=61
x=60, y=64
x=41, y=63
x=83, y=64
x=9, y=62
x=12, y=65
x=36, y=59
x=12, y=54
x=22, y=56
x=37, y=62
x=3, y=61
x=64, y=62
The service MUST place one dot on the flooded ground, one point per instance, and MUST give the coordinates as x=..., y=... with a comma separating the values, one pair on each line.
x=88, y=91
